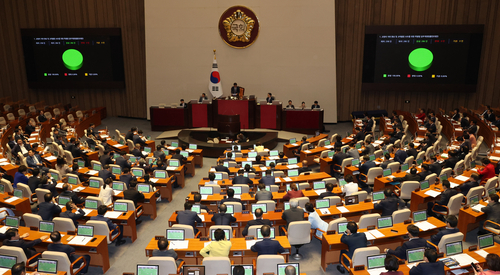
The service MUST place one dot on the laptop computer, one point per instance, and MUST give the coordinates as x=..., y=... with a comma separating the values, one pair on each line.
x=331, y=154
x=96, y=166
x=147, y=149
x=419, y=216
x=116, y=170
x=226, y=231
x=474, y=200
x=248, y=269
x=325, y=203
x=206, y=190
x=193, y=270
x=281, y=268
x=94, y=183
x=159, y=174
x=62, y=200
x=81, y=163
x=259, y=234
x=443, y=177
x=7, y=261
x=424, y=184
x=12, y=221
x=453, y=248
x=173, y=163
x=375, y=261
x=386, y=172
x=47, y=266
x=286, y=205
x=292, y=161
x=485, y=241
x=319, y=185
x=341, y=227
x=355, y=162
x=185, y=154
x=144, y=187
x=46, y=227
x=384, y=222
x=351, y=200
x=55, y=176
x=262, y=206
x=377, y=196
x=90, y=204
x=274, y=153
x=119, y=186
x=148, y=269
x=372, y=157
x=268, y=162
x=175, y=234
x=120, y=206
x=415, y=255
x=358, y=145
x=18, y=193
x=133, y=159
x=174, y=144
x=229, y=209
x=193, y=146
x=293, y=172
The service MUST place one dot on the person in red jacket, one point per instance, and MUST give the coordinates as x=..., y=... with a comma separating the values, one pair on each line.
x=293, y=193
x=421, y=114
x=488, y=171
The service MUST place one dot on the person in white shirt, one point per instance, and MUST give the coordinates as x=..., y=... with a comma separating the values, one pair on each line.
x=106, y=193
x=259, y=147
x=315, y=220
x=351, y=187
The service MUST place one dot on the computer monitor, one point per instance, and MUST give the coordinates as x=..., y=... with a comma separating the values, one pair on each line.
x=292, y=161
x=252, y=154
x=8, y=262
x=281, y=268
x=18, y=193
x=331, y=154
x=196, y=208
x=165, y=151
x=358, y=145
x=218, y=176
x=415, y=254
x=287, y=187
x=116, y=170
x=120, y=206
x=246, y=176
x=293, y=140
x=286, y=205
x=248, y=269
x=193, y=270
x=259, y=234
x=159, y=174
x=94, y=183
x=325, y=203
x=47, y=266
x=175, y=144
x=147, y=149
x=375, y=261
x=133, y=159
x=443, y=177
x=193, y=146
x=173, y=163
x=138, y=172
x=327, y=142
x=319, y=185
x=485, y=241
x=81, y=163
x=355, y=162
x=62, y=200
x=226, y=231
x=491, y=191
x=2, y=188
x=372, y=157
x=419, y=162
x=244, y=163
x=424, y=184
x=387, y=172
x=206, y=190
x=229, y=209
x=344, y=150
x=419, y=216
x=85, y=230
x=342, y=182
x=473, y=164
x=152, y=161
x=341, y=227
x=293, y=172
x=474, y=200
x=185, y=154
x=12, y=221
x=268, y=162
x=148, y=269
x=384, y=222
x=262, y=206
x=96, y=166
x=377, y=196
x=225, y=164
x=144, y=187
x=115, y=156
x=453, y=248
x=46, y=227
x=274, y=153
x=90, y=204
x=175, y=234
x=351, y=200
x=237, y=189
x=119, y=186
x=404, y=167
x=73, y=180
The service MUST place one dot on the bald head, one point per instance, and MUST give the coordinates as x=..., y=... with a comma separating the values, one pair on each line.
x=290, y=270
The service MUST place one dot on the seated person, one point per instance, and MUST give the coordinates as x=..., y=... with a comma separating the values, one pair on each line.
x=363, y=169
x=351, y=187
x=424, y=172
x=492, y=262
x=20, y=176
x=58, y=246
x=231, y=198
x=295, y=213
x=188, y=217
x=259, y=161
x=293, y=193
x=353, y=240
x=101, y=211
x=203, y=97
x=391, y=265
x=132, y=194
x=492, y=211
x=389, y=204
x=267, y=246
x=412, y=152
x=430, y=265
x=445, y=198
x=241, y=179
x=267, y=179
x=282, y=158
x=217, y=248
x=50, y=185
x=387, y=161
x=400, y=155
x=474, y=181
x=304, y=142
x=221, y=168
x=163, y=251
x=68, y=193
x=413, y=242
x=304, y=167
x=412, y=176
x=223, y=218
x=197, y=200
x=258, y=221
x=70, y=206
x=137, y=152
x=127, y=176
x=263, y=194
x=48, y=208
x=12, y=238
x=451, y=228
x=18, y=269
x=315, y=220
x=329, y=188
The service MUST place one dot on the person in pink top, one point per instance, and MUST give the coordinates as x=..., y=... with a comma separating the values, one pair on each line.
x=492, y=262
x=488, y=171
x=293, y=193
x=472, y=139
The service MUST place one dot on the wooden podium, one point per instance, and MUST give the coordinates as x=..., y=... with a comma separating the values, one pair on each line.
x=229, y=125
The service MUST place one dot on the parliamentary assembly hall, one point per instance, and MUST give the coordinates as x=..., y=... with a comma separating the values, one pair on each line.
x=286, y=137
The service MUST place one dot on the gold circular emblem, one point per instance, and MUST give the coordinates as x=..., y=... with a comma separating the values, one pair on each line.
x=239, y=27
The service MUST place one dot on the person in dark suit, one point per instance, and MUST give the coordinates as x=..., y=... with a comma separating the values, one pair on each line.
x=137, y=152
x=235, y=90
x=137, y=139
x=304, y=142
x=57, y=246
x=430, y=265
x=412, y=151
x=127, y=176
x=293, y=214
x=41, y=117
x=412, y=176
x=106, y=172
x=492, y=211
x=473, y=127
x=329, y=188
x=282, y=158
x=413, y=242
x=267, y=246
x=387, y=161
x=353, y=240
x=70, y=206
x=267, y=179
x=315, y=105
x=269, y=98
x=178, y=156
x=30, y=127
x=456, y=115
x=221, y=168
x=202, y=97
x=464, y=123
x=197, y=200
x=48, y=208
x=101, y=211
x=159, y=154
x=70, y=194
x=428, y=141
x=369, y=148
x=435, y=167
x=398, y=134
x=106, y=158
x=12, y=238
x=474, y=181
x=304, y=168
x=338, y=158
x=20, y=147
x=76, y=151
x=222, y=218
x=353, y=152
x=290, y=105
x=35, y=161
x=240, y=179
x=431, y=127
x=389, y=204
x=188, y=217
x=445, y=198
x=452, y=160
x=231, y=198
x=263, y=194
x=451, y=228
x=424, y=172
x=163, y=251
x=49, y=185
x=183, y=104
x=123, y=161
x=20, y=176
x=132, y=194
x=34, y=180
x=258, y=221
x=360, y=134
x=130, y=134
x=363, y=169
x=400, y=155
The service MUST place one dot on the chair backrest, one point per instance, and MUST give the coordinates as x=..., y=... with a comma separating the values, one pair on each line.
x=14, y=251
x=32, y=109
x=475, y=151
x=400, y=216
x=324, y=154
x=397, y=143
x=63, y=224
x=360, y=255
x=446, y=171
x=305, y=147
x=276, y=174
x=407, y=187
x=26, y=190
x=223, y=227
x=268, y=264
x=449, y=238
x=48, y=115
x=32, y=220
x=21, y=112
x=74, y=176
x=130, y=145
x=362, y=195
x=394, y=166
x=346, y=162
x=3, y=121
x=420, y=155
x=40, y=192
x=11, y=117
x=68, y=156
x=321, y=142
x=431, y=178
x=455, y=204
x=331, y=180
x=63, y=262
x=409, y=160
x=379, y=154
x=7, y=186
x=332, y=225
x=299, y=232
x=429, y=152
x=71, y=118
x=373, y=173
x=368, y=220
x=333, y=138
x=216, y=188
x=56, y=111
x=390, y=148
x=100, y=228
x=458, y=166
x=467, y=161
x=244, y=188
x=303, y=185
x=99, y=200
x=271, y=205
x=166, y=265
x=478, y=190
x=217, y=265
x=302, y=202
x=188, y=230
x=334, y=199
x=79, y=114
x=491, y=183
x=237, y=207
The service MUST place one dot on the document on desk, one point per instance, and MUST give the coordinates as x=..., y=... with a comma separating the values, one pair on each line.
x=4, y=270
x=92, y=172
x=307, y=151
x=51, y=158
x=11, y=199
x=425, y=225
x=80, y=240
x=376, y=233
x=205, y=244
x=432, y=193
x=319, y=191
x=325, y=211
x=343, y=209
x=87, y=211
x=369, y=236
x=60, y=185
x=179, y=244
x=444, y=156
x=495, y=158
x=154, y=180
x=250, y=159
x=117, y=192
x=292, y=166
x=295, y=144
x=4, y=160
x=78, y=189
x=376, y=271
x=202, y=217
x=4, y=229
x=277, y=180
x=453, y=185
x=462, y=178
x=204, y=197
x=171, y=148
x=287, y=179
x=329, y=146
x=263, y=168
x=250, y=243
x=113, y=214
x=482, y=253
x=274, y=157
x=464, y=259
x=190, y=150
x=478, y=207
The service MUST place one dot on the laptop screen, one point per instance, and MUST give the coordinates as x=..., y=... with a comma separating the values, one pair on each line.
x=355, y=162
x=293, y=172
x=81, y=163
x=175, y=144
x=293, y=140
x=262, y=206
x=147, y=149
x=144, y=188
x=46, y=227
x=12, y=221
x=274, y=153
x=331, y=153
x=419, y=216
x=415, y=255
x=342, y=182
x=147, y=269
x=120, y=206
x=443, y=177
x=96, y=166
x=453, y=248
x=206, y=190
x=252, y=154
x=165, y=151
x=419, y=162
x=90, y=204
x=474, y=200
x=376, y=261
x=7, y=261
x=387, y=172
x=138, y=172
x=286, y=205
x=292, y=161
x=384, y=222
x=323, y=203
x=282, y=267
x=47, y=266
x=484, y=241
x=372, y=157
x=85, y=230
x=491, y=191
x=175, y=234
x=237, y=189
x=173, y=163
x=358, y=145
x=116, y=170
x=225, y=164
x=404, y=167
x=259, y=234
x=424, y=184
x=341, y=227
x=268, y=162
x=2, y=188
x=248, y=269
x=185, y=154
x=133, y=159
x=229, y=209
x=327, y=142
x=63, y=200
x=218, y=176
x=94, y=183
x=351, y=200
x=160, y=174
x=118, y=186
x=72, y=180
x=377, y=196
x=193, y=146
x=226, y=231
x=319, y=185
x=18, y=193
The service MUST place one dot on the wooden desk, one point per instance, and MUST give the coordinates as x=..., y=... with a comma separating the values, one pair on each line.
x=117, y=146
x=304, y=121
x=289, y=148
x=310, y=154
x=469, y=219
x=165, y=187
x=245, y=108
x=331, y=245
x=163, y=119
x=268, y=116
x=20, y=206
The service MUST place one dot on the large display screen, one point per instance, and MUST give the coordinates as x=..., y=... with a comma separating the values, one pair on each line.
x=422, y=58
x=73, y=58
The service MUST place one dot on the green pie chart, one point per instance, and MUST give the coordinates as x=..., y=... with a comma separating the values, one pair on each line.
x=420, y=59
x=72, y=59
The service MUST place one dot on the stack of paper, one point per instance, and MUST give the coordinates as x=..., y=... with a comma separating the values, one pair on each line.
x=325, y=211
x=250, y=243
x=60, y=185
x=292, y=166
x=113, y=214
x=425, y=225
x=92, y=172
x=171, y=148
x=190, y=150
x=80, y=240
x=153, y=180
x=202, y=217
x=250, y=159
x=178, y=244
x=464, y=259
x=263, y=168
x=495, y=158
x=482, y=253
x=478, y=207
x=171, y=168
x=462, y=178
x=453, y=185
x=376, y=271
x=307, y=151
x=369, y=236
x=4, y=163
x=204, y=197
x=376, y=233
x=295, y=144
x=116, y=192
x=343, y=209
x=205, y=244
x=4, y=229
x=51, y=158
x=3, y=160
x=11, y=199
x=277, y=180
x=78, y=189
x=444, y=155
x=432, y=193
x=287, y=179
x=319, y=191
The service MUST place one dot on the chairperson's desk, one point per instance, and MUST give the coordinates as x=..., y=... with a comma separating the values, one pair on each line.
x=331, y=245
x=239, y=252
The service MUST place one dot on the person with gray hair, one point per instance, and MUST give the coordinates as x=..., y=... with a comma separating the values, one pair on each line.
x=290, y=270
x=293, y=214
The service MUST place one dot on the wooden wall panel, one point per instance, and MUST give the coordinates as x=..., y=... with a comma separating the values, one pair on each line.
x=127, y=15
x=353, y=15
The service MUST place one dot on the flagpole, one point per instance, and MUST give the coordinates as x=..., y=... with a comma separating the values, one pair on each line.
x=214, y=55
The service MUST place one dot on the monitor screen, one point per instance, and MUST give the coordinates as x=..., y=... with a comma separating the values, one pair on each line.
x=94, y=183
x=96, y=166
x=2, y=188
x=286, y=205
x=144, y=188
x=376, y=261
x=342, y=182
x=147, y=269
x=248, y=269
x=387, y=172
x=268, y=162
x=85, y=230
x=237, y=189
x=193, y=270
x=443, y=177
x=7, y=261
x=327, y=143
x=404, y=167
x=138, y=172
x=147, y=149
x=358, y=145
x=226, y=231
x=206, y=190
x=196, y=208
x=415, y=255
x=372, y=157
x=160, y=174
x=47, y=266
x=46, y=227
x=90, y=204
x=115, y=156
x=293, y=172
x=120, y=206
x=292, y=161
x=484, y=241
x=274, y=153
x=175, y=234
x=377, y=196
x=282, y=267
x=323, y=203
x=55, y=176
x=262, y=206
x=116, y=170
x=132, y=159
x=319, y=185
x=173, y=162
x=225, y=164
x=460, y=170
x=18, y=193
x=331, y=154
x=175, y=144
x=165, y=151
x=293, y=140
x=355, y=162
x=259, y=234
x=218, y=176
x=62, y=200
x=341, y=227
x=118, y=185
x=491, y=191
x=419, y=216
x=72, y=180
x=12, y=221
x=152, y=161
x=473, y=164
x=453, y=248
x=424, y=184
x=419, y=162
x=230, y=209
x=193, y=146
x=384, y=222
x=351, y=200
x=185, y=154
x=252, y=154
x=81, y=163
x=474, y=200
